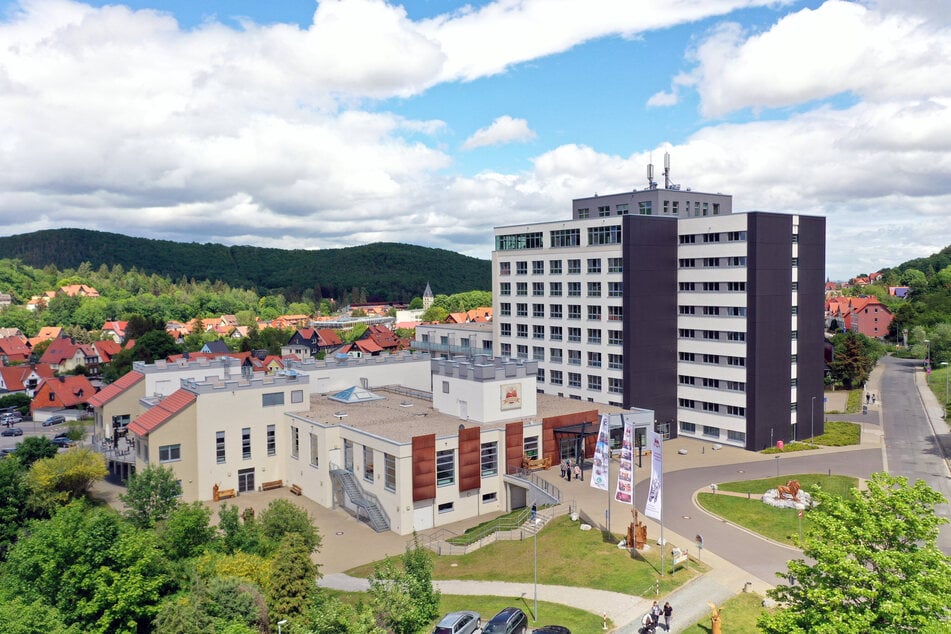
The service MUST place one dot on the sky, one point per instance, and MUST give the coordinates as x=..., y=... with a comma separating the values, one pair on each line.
x=304, y=124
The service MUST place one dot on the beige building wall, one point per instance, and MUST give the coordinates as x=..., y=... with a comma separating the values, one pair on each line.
x=124, y=404
x=177, y=430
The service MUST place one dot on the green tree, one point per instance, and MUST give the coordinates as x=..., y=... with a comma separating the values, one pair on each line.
x=293, y=580
x=416, y=303
x=876, y=567
x=13, y=501
x=851, y=364
x=155, y=344
x=37, y=617
x=330, y=615
x=119, y=366
x=239, y=534
x=282, y=517
x=151, y=496
x=435, y=314
x=35, y=448
x=187, y=531
x=404, y=597
x=19, y=400
x=138, y=325
x=65, y=476
x=19, y=317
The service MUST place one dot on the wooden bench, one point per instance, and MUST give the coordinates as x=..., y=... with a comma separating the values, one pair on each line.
x=296, y=489
x=533, y=464
x=224, y=494
x=273, y=484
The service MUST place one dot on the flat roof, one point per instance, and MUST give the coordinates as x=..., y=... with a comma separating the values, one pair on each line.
x=399, y=417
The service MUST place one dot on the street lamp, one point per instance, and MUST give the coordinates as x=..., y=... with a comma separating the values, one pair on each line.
x=280, y=624
x=812, y=416
x=947, y=376
x=928, y=356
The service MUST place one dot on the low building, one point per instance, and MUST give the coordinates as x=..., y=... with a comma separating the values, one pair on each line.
x=448, y=340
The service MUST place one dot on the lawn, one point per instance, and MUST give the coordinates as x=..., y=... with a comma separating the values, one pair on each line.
x=738, y=616
x=582, y=558
x=781, y=525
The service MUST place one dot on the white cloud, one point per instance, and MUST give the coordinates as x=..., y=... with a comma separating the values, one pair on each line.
x=504, y=129
x=664, y=98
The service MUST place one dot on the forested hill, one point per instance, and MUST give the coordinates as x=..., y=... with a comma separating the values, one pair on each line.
x=386, y=271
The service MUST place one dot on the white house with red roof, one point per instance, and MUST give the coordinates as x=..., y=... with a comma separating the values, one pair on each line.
x=115, y=330
x=25, y=378
x=61, y=393
x=14, y=350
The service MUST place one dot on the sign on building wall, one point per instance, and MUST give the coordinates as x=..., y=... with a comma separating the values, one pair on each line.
x=511, y=396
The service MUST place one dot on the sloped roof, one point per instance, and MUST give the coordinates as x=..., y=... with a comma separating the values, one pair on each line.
x=367, y=346
x=70, y=390
x=13, y=378
x=116, y=388
x=355, y=394
x=162, y=411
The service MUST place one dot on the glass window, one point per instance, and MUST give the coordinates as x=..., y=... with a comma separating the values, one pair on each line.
x=556, y=377
x=555, y=332
x=574, y=267
x=538, y=267
x=554, y=289
x=594, y=265
x=295, y=442
x=505, y=288
x=554, y=267
x=220, y=447
x=271, y=440
x=368, y=463
x=615, y=265
x=521, y=268
x=594, y=289
x=554, y=311
x=389, y=472
x=521, y=288
x=505, y=268
x=594, y=383
x=246, y=443
x=604, y=235
x=531, y=446
x=297, y=396
x=574, y=379
x=490, y=458
x=170, y=453
x=565, y=238
x=271, y=399
x=574, y=311
x=594, y=313
x=574, y=289
x=445, y=467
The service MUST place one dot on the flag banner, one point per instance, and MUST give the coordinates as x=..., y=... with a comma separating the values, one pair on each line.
x=652, y=507
x=602, y=457
x=625, y=473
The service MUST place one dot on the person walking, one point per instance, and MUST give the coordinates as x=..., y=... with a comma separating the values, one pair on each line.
x=568, y=469
x=668, y=611
x=655, y=613
x=534, y=512
x=577, y=470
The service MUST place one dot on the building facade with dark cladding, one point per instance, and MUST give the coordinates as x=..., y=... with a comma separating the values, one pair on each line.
x=665, y=299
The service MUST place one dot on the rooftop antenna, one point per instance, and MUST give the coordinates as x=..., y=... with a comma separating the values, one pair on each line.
x=650, y=176
x=667, y=183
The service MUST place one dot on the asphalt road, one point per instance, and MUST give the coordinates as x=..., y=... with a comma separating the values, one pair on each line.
x=911, y=446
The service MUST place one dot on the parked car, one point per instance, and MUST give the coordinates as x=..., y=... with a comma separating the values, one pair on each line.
x=54, y=420
x=62, y=442
x=463, y=622
x=10, y=418
x=551, y=629
x=508, y=621
x=12, y=431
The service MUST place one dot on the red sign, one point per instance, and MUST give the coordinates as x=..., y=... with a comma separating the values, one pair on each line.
x=800, y=513
x=779, y=445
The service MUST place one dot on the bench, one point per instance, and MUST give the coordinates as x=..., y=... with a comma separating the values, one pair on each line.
x=296, y=489
x=533, y=464
x=224, y=494
x=272, y=484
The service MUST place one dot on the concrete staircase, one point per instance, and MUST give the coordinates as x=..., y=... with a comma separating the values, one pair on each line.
x=366, y=503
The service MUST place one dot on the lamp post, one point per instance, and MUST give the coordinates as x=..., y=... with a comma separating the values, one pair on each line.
x=928, y=356
x=812, y=422
x=535, y=539
x=947, y=376
x=281, y=624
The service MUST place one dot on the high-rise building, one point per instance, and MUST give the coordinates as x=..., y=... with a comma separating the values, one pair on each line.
x=665, y=299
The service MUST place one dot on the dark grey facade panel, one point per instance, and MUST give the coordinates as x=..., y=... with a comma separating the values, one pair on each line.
x=811, y=359
x=650, y=315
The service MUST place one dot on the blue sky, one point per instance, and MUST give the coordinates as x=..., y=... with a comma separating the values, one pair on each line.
x=300, y=124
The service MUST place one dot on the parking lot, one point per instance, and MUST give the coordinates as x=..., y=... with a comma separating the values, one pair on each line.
x=30, y=428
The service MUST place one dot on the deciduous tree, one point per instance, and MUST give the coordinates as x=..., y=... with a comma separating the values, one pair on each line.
x=151, y=495
x=404, y=597
x=875, y=566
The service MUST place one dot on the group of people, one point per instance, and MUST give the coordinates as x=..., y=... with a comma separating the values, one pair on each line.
x=652, y=618
x=567, y=470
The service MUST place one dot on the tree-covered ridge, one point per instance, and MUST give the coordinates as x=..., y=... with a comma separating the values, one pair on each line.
x=386, y=271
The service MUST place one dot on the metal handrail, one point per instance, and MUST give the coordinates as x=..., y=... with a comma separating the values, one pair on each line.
x=544, y=485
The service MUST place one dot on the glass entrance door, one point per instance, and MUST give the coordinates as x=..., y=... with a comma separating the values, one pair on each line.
x=245, y=480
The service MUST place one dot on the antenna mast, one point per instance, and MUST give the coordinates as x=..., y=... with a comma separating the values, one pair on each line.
x=667, y=183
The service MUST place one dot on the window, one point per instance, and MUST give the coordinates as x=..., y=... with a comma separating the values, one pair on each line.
x=556, y=377
x=594, y=265
x=519, y=241
x=713, y=359
x=170, y=453
x=295, y=442
x=297, y=396
x=615, y=313
x=538, y=289
x=736, y=361
x=540, y=373
x=686, y=356
x=445, y=467
x=574, y=357
x=594, y=359
x=554, y=355
x=505, y=349
x=538, y=354
x=615, y=265
x=574, y=267
x=538, y=267
x=574, y=379
x=574, y=335
x=521, y=268
x=685, y=403
x=220, y=447
x=687, y=263
x=367, y=463
x=554, y=267
x=489, y=497
x=616, y=337
x=686, y=380
x=272, y=399
x=554, y=289
x=615, y=386
x=505, y=309
x=644, y=207
x=708, y=382
x=521, y=309
x=734, y=410
x=389, y=472
x=583, y=212
x=521, y=352
x=736, y=386
x=711, y=432
x=604, y=235
x=246, y=443
x=271, y=441
x=604, y=210
x=622, y=210
x=565, y=238
x=674, y=205
x=711, y=407
x=594, y=383
x=687, y=310
x=521, y=330
x=594, y=289
x=736, y=261
x=574, y=311
x=505, y=268
x=735, y=236
x=711, y=310
x=710, y=237
x=736, y=286
x=689, y=428
x=594, y=313
x=574, y=289
x=445, y=507
x=531, y=446
x=688, y=238
x=505, y=288
x=505, y=329
x=521, y=288
x=686, y=333
x=711, y=286
x=594, y=335
x=616, y=361
x=615, y=289
x=711, y=262
x=538, y=332
x=737, y=436
x=555, y=333
x=736, y=311
x=538, y=311
x=554, y=311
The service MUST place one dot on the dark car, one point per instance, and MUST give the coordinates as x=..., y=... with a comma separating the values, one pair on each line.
x=508, y=621
x=551, y=629
x=463, y=622
x=62, y=442
x=12, y=431
x=54, y=420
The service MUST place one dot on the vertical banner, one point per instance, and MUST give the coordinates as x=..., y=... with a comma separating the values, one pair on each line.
x=652, y=506
x=602, y=457
x=625, y=473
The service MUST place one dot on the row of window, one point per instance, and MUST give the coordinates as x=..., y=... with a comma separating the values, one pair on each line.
x=709, y=287
x=712, y=311
x=558, y=238
x=715, y=408
x=711, y=335
x=646, y=208
x=709, y=263
x=172, y=453
x=711, y=432
x=712, y=359
x=557, y=267
x=574, y=379
x=556, y=333
x=707, y=238
x=700, y=381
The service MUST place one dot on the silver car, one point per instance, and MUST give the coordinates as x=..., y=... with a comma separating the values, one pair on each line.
x=463, y=622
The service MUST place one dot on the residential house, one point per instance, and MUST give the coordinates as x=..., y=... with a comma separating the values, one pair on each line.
x=14, y=350
x=309, y=342
x=61, y=392
x=482, y=314
x=115, y=330
x=46, y=333
x=39, y=302
x=24, y=378
x=449, y=340
x=5, y=300
x=77, y=290
x=65, y=355
x=383, y=337
x=865, y=314
x=216, y=347
x=291, y=321
x=12, y=332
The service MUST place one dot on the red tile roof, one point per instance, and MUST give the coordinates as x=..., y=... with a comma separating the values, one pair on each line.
x=116, y=388
x=64, y=391
x=162, y=411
